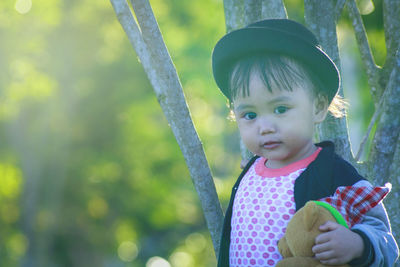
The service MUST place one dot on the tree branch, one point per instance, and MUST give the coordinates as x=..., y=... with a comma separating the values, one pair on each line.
x=252, y=11
x=388, y=129
x=273, y=9
x=158, y=65
x=392, y=202
x=240, y=13
x=373, y=71
x=234, y=11
x=374, y=118
x=338, y=9
x=391, y=22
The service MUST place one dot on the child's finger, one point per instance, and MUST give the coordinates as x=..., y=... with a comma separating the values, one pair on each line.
x=329, y=226
x=320, y=248
x=322, y=238
x=326, y=255
x=330, y=262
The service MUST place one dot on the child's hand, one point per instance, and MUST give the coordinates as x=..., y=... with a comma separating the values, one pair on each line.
x=338, y=245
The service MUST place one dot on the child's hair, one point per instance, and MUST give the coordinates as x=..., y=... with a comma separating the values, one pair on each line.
x=282, y=72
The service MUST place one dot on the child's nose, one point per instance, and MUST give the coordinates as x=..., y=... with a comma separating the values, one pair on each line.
x=266, y=126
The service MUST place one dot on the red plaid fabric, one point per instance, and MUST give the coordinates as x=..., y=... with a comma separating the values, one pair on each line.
x=353, y=202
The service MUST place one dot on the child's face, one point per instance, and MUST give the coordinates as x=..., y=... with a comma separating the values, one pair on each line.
x=279, y=125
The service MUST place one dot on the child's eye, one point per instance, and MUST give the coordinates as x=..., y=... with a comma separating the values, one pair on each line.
x=280, y=110
x=250, y=116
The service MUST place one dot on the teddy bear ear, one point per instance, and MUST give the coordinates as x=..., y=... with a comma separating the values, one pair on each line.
x=310, y=215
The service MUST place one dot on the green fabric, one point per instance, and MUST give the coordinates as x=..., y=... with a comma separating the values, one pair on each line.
x=335, y=213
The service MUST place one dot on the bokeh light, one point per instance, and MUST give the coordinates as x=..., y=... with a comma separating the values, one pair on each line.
x=127, y=251
x=181, y=259
x=23, y=6
x=157, y=262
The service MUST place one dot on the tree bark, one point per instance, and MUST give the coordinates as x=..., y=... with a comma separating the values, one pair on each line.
x=391, y=22
x=274, y=9
x=234, y=18
x=252, y=11
x=388, y=128
x=391, y=19
x=392, y=202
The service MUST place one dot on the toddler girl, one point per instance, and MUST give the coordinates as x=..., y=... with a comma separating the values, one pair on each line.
x=280, y=84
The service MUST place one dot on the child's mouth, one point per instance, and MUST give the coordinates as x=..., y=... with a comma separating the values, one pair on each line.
x=271, y=145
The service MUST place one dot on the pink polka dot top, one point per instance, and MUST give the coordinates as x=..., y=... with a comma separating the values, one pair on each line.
x=263, y=205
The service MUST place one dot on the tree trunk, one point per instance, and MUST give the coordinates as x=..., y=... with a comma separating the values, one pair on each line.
x=322, y=22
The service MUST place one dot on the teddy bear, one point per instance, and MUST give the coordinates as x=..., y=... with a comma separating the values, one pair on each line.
x=347, y=207
x=295, y=246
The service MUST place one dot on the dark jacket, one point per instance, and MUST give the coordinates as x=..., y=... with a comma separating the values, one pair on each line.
x=320, y=179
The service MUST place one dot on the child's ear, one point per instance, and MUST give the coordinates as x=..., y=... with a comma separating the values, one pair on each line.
x=320, y=110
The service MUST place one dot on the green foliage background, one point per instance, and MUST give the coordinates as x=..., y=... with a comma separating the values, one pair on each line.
x=90, y=173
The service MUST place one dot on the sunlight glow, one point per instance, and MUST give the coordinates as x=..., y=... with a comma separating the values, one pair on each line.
x=23, y=6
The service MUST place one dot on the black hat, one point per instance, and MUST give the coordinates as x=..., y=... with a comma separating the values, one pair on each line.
x=278, y=36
